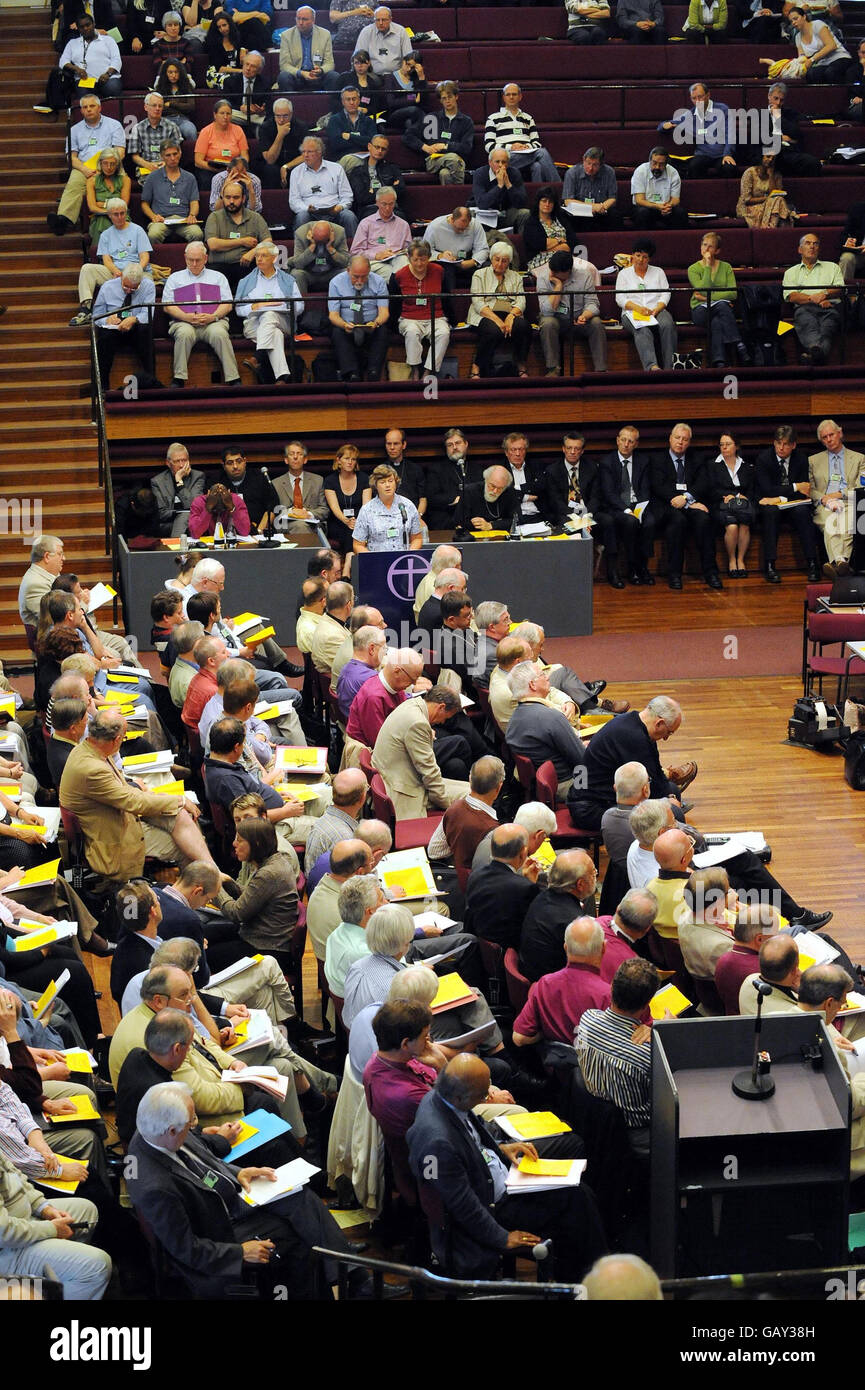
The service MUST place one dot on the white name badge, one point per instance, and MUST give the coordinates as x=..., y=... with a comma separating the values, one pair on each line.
x=681, y=487
x=421, y=301
x=348, y=511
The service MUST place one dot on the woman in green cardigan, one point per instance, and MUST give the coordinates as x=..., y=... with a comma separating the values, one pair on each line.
x=709, y=19
x=711, y=274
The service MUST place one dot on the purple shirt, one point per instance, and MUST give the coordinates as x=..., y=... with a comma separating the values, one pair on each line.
x=394, y=1090
x=351, y=678
x=731, y=972
x=617, y=950
x=557, y=1002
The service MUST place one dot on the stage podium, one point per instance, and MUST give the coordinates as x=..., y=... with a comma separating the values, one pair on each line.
x=741, y=1185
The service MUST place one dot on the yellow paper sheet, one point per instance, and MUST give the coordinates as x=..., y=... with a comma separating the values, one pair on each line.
x=170, y=789
x=124, y=680
x=118, y=697
x=490, y=535
x=84, y=1110
x=247, y=618
x=537, y=1124
x=67, y=1185
x=451, y=988
x=35, y=940
x=78, y=1060
x=246, y=1132
x=300, y=790
x=134, y=733
x=668, y=998
x=140, y=760
x=44, y=999
x=21, y=825
x=39, y=874
x=298, y=757
x=414, y=881
x=255, y=637
x=545, y=854
x=7, y=705
x=546, y=1167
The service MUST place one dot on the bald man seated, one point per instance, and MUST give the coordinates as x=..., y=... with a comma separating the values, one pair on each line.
x=557, y=1002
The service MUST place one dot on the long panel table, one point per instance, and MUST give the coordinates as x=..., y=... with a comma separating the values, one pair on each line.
x=549, y=582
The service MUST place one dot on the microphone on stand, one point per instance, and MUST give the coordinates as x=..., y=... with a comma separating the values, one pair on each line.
x=268, y=543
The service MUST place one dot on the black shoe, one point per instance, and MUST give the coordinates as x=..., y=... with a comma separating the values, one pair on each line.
x=596, y=688
x=772, y=575
x=635, y=577
x=805, y=359
x=813, y=572
x=313, y=1101
x=236, y=382
x=818, y=356
x=614, y=580
x=177, y=383
x=811, y=921
x=714, y=580
x=360, y=1285
x=647, y=578
x=743, y=354
x=675, y=581
x=289, y=668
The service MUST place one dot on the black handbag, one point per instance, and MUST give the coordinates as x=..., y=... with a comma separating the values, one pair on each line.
x=854, y=761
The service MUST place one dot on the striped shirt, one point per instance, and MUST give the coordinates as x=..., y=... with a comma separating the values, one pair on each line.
x=506, y=128
x=16, y=1123
x=613, y=1067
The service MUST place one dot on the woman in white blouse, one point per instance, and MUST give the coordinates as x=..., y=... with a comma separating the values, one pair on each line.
x=642, y=294
x=498, y=310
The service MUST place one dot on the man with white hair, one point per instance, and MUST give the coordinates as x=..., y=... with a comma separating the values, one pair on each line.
x=122, y=315
x=834, y=475
x=386, y=43
x=647, y=821
x=622, y=1279
x=539, y=733
x=362, y=615
x=490, y=505
x=319, y=188
x=123, y=243
x=358, y=900
x=248, y=88
x=193, y=1203
x=493, y=621
x=557, y=1002
x=443, y=557
x=631, y=785
x=272, y=667
x=626, y=928
x=497, y=187
x=305, y=53
x=512, y=129
x=279, y=139
x=87, y=138
x=331, y=631
x=175, y=488
x=198, y=301
x=815, y=288
x=147, y=137
x=46, y=562
x=512, y=649
x=538, y=821
x=632, y=737
x=383, y=237
x=385, y=692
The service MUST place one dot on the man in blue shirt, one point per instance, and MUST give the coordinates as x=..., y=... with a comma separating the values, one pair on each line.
x=358, y=311
x=123, y=320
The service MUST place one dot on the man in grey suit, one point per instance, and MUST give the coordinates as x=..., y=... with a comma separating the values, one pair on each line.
x=404, y=755
x=174, y=489
x=305, y=54
x=834, y=476
x=300, y=493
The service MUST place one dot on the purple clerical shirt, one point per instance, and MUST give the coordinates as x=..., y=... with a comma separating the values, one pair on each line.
x=557, y=1002
x=352, y=676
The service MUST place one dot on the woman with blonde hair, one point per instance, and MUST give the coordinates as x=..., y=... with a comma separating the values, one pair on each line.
x=345, y=492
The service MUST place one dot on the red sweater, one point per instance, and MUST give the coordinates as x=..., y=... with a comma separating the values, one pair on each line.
x=465, y=827
x=201, y=687
x=428, y=289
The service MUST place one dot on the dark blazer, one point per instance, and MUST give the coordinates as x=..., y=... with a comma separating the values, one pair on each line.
x=444, y=483
x=57, y=751
x=412, y=478
x=487, y=194
x=192, y=1222
x=553, y=500
x=138, y=1073
x=472, y=503
x=854, y=225
x=232, y=86
x=178, y=920
x=132, y=954
x=497, y=901
x=611, y=480
x=341, y=137
x=768, y=476
x=664, y=477
x=389, y=175
x=542, y=941
x=257, y=493
x=426, y=129
x=470, y=1240
x=719, y=485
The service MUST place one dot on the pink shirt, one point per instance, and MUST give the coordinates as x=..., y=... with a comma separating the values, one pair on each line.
x=374, y=236
x=557, y=1002
x=369, y=709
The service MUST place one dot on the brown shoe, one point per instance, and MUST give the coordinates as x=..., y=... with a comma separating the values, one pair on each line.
x=614, y=706
x=684, y=775
x=842, y=567
x=829, y=570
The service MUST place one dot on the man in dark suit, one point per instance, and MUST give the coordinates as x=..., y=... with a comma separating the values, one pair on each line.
x=571, y=487
x=412, y=478
x=626, y=480
x=782, y=475
x=250, y=483
x=69, y=715
x=678, y=487
x=454, y=1154
x=490, y=505
x=500, y=894
x=446, y=480
x=570, y=894
x=496, y=185
x=249, y=91
x=192, y=1202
